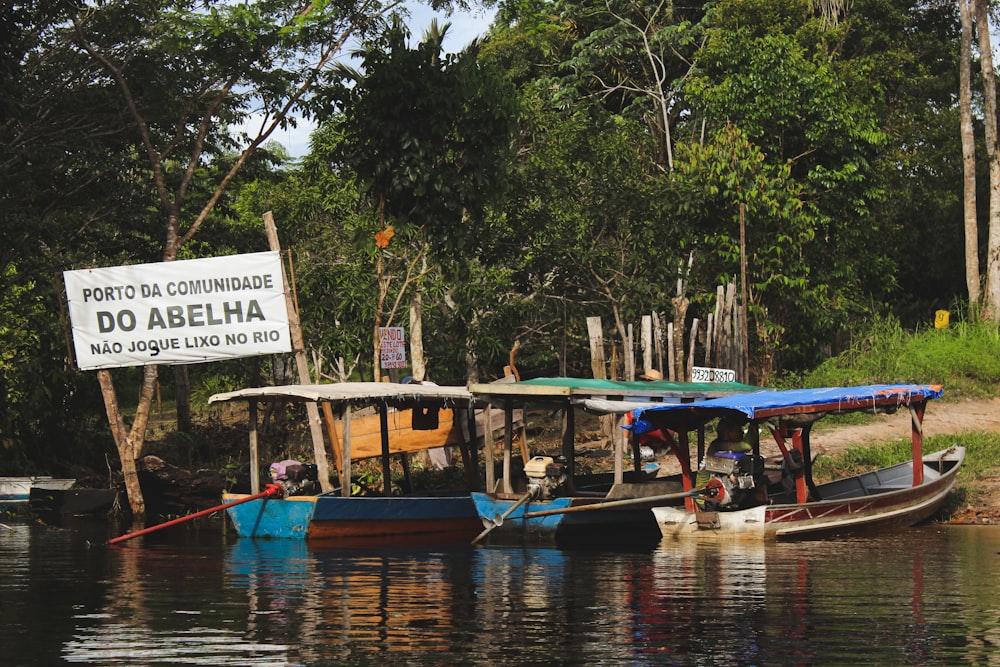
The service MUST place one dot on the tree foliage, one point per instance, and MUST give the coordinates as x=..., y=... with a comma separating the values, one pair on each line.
x=567, y=166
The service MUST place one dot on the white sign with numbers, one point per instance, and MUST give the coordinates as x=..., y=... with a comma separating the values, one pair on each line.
x=393, y=347
x=702, y=374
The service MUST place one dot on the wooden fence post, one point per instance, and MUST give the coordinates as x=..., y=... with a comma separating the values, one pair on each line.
x=295, y=329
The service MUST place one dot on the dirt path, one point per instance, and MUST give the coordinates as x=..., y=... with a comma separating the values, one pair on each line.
x=941, y=418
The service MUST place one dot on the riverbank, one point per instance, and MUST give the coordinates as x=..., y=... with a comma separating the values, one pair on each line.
x=171, y=487
x=977, y=497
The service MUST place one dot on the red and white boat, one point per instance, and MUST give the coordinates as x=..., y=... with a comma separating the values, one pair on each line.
x=743, y=498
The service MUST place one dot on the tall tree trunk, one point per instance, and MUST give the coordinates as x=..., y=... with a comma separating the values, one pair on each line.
x=972, y=281
x=417, y=335
x=992, y=300
x=127, y=451
x=182, y=398
x=680, y=305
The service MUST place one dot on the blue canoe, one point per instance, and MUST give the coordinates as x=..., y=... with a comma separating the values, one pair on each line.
x=337, y=518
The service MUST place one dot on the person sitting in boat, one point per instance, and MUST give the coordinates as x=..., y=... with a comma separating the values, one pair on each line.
x=652, y=444
x=729, y=438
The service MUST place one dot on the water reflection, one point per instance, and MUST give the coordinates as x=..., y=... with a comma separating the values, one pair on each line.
x=161, y=607
x=921, y=597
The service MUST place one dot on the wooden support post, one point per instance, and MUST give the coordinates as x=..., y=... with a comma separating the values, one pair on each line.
x=658, y=341
x=488, y=442
x=383, y=418
x=683, y=454
x=629, y=355
x=508, y=444
x=522, y=437
x=646, y=335
x=569, y=445
x=472, y=472
x=345, y=481
x=671, y=354
x=636, y=447
x=619, y=444
x=801, y=491
x=690, y=358
x=298, y=346
x=329, y=423
x=709, y=333
x=254, y=454
x=596, y=335
x=917, y=439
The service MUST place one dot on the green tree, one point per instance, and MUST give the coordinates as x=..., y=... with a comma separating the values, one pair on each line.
x=635, y=58
x=753, y=221
x=772, y=70
x=183, y=74
x=428, y=135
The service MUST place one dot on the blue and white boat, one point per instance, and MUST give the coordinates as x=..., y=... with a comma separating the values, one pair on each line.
x=546, y=501
x=401, y=419
x=15, y=491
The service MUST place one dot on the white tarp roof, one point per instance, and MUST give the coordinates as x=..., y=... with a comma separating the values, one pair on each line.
x=356, y=393
x=602, y=406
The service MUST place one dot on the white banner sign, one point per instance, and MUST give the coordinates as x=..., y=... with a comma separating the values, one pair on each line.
x=702, y=374
x=178, y=312
x=393, y=347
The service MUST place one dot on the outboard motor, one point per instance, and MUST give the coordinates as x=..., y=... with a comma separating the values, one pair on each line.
x=545, y=476
x=735, y=480
x=295, y=477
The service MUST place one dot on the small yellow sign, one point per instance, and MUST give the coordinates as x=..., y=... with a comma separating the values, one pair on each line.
x=941, y=319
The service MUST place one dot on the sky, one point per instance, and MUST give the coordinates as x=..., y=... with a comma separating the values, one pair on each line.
x=465, y=26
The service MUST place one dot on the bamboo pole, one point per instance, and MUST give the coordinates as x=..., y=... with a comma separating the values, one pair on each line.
x=295, y=329
x=647, y=342
x=596, y=336
x=254, y=448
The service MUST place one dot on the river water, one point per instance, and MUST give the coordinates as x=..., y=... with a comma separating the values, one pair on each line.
x=924, y=596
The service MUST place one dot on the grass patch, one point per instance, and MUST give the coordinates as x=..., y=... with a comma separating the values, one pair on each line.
x=982, y=459
x=965, y=358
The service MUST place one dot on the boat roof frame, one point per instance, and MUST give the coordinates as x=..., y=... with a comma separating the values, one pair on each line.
x=792, y=404
x=356, y=394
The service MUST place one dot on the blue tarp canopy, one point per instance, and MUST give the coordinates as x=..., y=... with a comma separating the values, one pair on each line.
x=621, y=387
x=767, y=404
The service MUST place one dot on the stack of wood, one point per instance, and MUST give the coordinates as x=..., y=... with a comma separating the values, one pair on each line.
x=673, y=352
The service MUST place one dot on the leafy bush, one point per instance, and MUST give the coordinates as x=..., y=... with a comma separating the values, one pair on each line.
x=964, y=357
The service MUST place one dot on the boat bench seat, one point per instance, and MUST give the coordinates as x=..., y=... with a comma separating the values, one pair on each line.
x=648, y=489
x=883, y=488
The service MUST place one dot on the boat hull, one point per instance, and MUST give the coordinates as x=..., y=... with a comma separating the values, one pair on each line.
x=599, y=527
x=287, y=518
x=15, y=491
x=337, y=518
x=445, y=516
x=71, y=502
x=871, y=505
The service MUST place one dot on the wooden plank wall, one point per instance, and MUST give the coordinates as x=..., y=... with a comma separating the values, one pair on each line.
x=366, y=439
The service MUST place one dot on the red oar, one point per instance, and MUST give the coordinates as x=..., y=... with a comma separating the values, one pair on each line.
x=270, y=491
